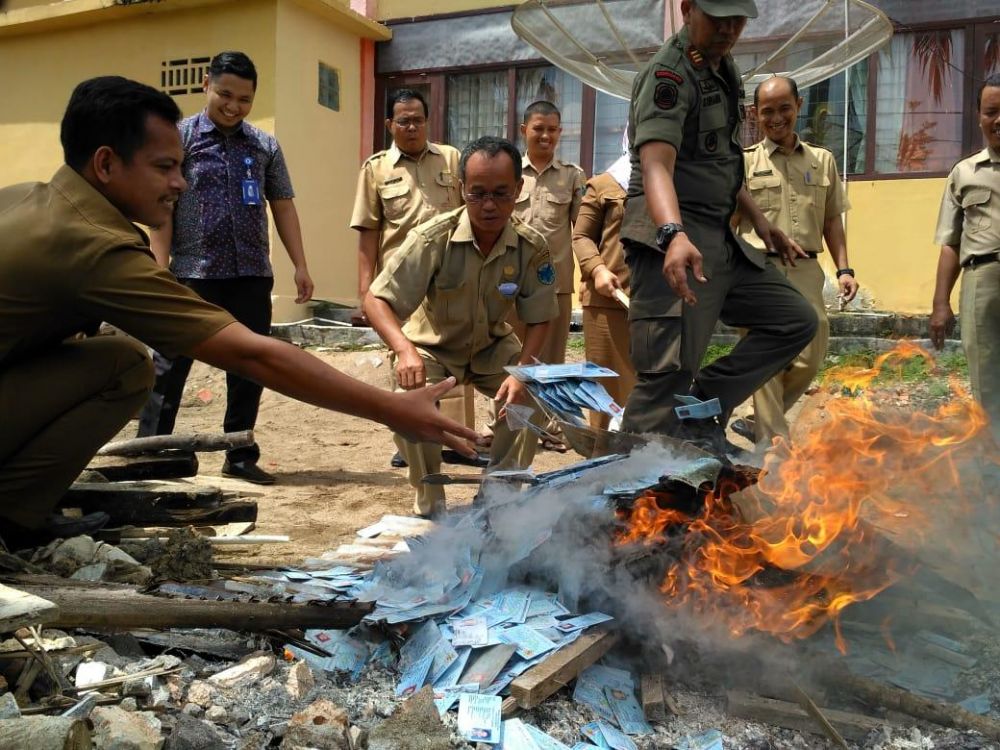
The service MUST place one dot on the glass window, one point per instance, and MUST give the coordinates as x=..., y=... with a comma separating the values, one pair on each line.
x=477, y=106
x=919, y=105
x=821, y=119
x=610, y=121
x=329, y=87
x=563, y=90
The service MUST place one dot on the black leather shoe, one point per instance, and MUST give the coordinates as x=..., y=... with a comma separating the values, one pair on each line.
x=450, y=456
x=743, y=428
x=246, y=471
x=397, y=461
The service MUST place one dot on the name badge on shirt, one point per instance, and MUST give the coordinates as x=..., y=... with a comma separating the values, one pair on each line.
x=508, y=288
x=251, y=188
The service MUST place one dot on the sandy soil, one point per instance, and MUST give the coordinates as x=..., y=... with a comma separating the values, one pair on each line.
x=333, y=470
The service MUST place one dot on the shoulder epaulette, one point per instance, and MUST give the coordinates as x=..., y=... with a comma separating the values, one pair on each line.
x=816, y=145
x=529, y=233
x=376, y=155
x=438, y=224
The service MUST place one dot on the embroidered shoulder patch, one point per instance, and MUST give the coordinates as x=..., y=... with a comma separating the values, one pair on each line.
x=669, y=75
x=665, y=96
x=547, y=274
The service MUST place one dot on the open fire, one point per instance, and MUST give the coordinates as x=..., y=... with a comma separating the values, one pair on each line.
x=789, y=555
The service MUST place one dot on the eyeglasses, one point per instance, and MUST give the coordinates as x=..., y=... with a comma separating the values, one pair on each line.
x=482, y=197
x=410, y=122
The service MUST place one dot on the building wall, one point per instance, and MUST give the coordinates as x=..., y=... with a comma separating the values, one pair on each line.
x=890, y=241
x=47, y=66
x=321, y=147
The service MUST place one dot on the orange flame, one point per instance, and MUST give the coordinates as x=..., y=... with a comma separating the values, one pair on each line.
x=799, y=549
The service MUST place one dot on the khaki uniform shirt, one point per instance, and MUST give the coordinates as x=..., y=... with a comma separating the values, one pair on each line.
x=596, y=238
x=797, y=192
x=455, y=301
x=969, y=218
x=678, y=99
x=397, y=192
x=69, y=260
x=549, y=202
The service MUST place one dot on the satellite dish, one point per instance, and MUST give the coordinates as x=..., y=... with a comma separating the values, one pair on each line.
x=605, y=42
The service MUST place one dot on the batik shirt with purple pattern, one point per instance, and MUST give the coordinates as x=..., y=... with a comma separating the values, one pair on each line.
x=217, y=236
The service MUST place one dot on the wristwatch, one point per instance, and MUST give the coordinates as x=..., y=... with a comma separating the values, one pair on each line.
x=845, y=272
x=665, y=234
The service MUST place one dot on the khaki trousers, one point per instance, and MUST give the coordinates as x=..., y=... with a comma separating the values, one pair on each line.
x=979, y=308
x=773, y=399
x=509, y=450
x=605, y=343
x=56, y=410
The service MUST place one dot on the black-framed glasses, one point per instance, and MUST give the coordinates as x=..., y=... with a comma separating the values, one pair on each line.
x=410, y=122
x=482, y=196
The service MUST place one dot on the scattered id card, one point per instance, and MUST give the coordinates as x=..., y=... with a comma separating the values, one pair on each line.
x=251, y=193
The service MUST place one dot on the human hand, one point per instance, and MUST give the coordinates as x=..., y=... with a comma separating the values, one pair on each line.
x=415, y=416
x=511, y=391
x=848, y=287
x=303, y=285
x=410, y=370
x=777, y=241
x=682, y=255
x=942, y=323
x=606, y=282
x=358, y=318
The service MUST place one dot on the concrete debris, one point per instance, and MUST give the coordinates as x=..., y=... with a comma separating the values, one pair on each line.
x=300, y=680
x=8, y=707
x=245, y=673
x=202, y=693
x=190, y=733
x=323, y=725
x=217, y=715
x=117, y=729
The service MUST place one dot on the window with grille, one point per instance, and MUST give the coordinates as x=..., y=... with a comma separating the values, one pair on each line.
x=184, y=75
x=329, y=87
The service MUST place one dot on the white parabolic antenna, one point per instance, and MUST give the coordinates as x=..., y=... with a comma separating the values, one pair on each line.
x=604, y=42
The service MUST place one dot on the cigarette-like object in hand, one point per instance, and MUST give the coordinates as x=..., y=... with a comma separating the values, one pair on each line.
x=620, y=297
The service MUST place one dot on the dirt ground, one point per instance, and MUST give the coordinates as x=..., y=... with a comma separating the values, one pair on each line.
x=333, y=473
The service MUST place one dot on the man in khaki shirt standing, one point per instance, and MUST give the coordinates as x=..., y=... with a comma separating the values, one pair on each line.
x=454, y=281
x=968, y=231
x=549, y=202
x=405, y=185
x=798, y=188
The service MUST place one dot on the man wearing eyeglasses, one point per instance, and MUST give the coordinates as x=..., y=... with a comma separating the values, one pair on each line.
x=405, y=185
x=454, y=281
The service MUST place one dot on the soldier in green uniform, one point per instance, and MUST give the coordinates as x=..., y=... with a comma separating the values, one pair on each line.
x=688, y=269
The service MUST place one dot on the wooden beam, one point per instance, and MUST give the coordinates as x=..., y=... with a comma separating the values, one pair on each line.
x=194, y=443
x=20, y=609
x=565, y=665
x=123, y=468
x=653, y=697
x=110, y=606
x=158, y=503
x=792, y=716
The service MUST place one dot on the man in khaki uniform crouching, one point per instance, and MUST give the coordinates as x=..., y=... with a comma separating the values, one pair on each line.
x=797, y=187
x=403, y=186
x=454, y=281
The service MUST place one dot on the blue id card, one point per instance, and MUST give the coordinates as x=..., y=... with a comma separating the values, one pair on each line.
x=251, y=193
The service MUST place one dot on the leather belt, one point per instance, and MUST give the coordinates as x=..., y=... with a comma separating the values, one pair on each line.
x=977, y=260
x=778, y=255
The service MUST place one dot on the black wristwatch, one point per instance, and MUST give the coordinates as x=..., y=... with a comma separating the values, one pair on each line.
x=845, y=272
x=665, y=234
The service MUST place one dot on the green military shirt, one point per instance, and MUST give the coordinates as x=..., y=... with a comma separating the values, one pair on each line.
x=678, y=99
x=969, y=218
x=69, y=261
x=456, y=302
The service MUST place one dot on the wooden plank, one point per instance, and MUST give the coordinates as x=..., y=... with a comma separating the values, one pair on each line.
x=109, y=606
x=565, y=665
x=197, y=442
x=124, y=468
x=793, y=716
x=20, y=609
x=509, y=708
x=654, y=704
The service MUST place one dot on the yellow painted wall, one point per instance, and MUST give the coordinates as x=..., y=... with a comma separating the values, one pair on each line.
x=46, y=67
x=890, y=240
x=391, y=9
x=321, y=148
